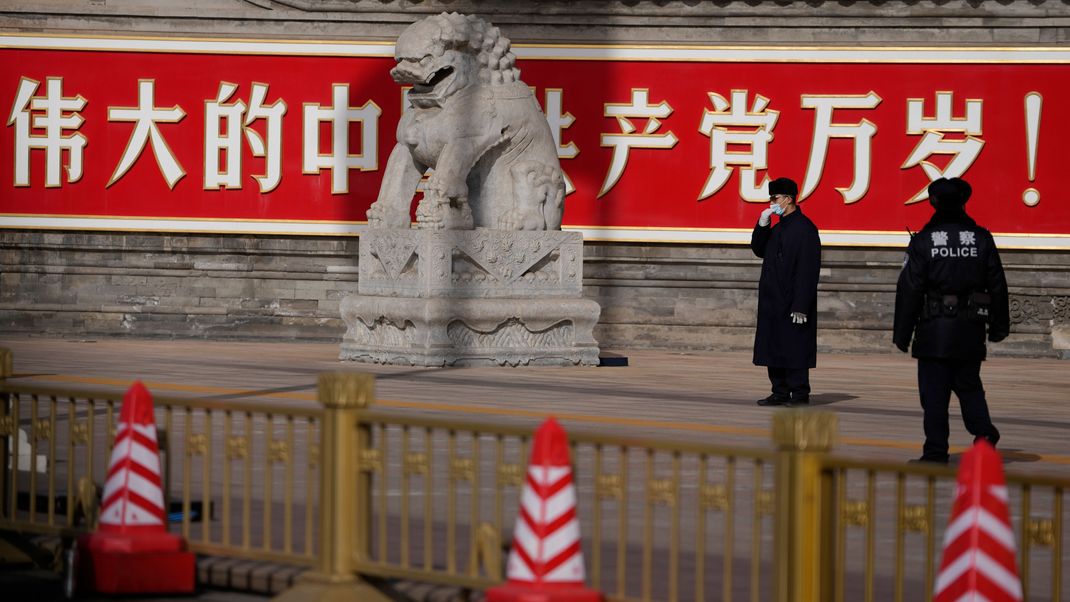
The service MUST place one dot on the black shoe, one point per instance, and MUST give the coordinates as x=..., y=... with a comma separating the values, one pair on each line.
x=989, y=438
x=774, y=400
x=800, y=400
x=929, y=460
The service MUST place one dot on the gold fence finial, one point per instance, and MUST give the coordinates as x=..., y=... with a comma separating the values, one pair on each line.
x=805, y=430
x=6, y=370
x=346, y=389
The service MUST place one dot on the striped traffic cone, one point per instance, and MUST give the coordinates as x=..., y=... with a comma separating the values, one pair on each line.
x=979, y=556
x=546, y=562
x=132, y=551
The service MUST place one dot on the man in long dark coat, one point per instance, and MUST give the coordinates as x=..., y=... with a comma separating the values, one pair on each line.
x=786, y=338
x=951, y=289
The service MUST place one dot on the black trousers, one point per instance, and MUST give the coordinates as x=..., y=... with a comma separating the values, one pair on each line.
x=793, y=382
x=937, y=378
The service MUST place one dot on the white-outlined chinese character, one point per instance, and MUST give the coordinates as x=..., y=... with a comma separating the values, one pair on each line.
x=967, y=238
x=26, y=116
x=824, y=130
x=753, y=129
x=236, y=119
x=145, y=116
x=558, y=122
x=939, y=238
x=340, y=160
x=640, y=108
x=933, y=141
x=229, y=143
x=272, y=150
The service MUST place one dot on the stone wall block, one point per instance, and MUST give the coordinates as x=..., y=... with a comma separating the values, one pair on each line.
x=121, y=280
x=139, y=300
x=304, y=305
x=717, y=309
x=315, y=289
x=275, y=292
x=175, y=263
x=223, y=302
x=160, y=287
x=336, y=293
x=330, y=307
x=234, y=287
x=249, y=304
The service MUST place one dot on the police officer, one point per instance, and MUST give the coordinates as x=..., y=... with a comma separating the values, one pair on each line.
x=786, y=338
x=952, y=286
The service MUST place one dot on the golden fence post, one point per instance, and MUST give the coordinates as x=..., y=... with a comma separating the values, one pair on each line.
x=801, y=553
x=342, y=510
x=9, y=427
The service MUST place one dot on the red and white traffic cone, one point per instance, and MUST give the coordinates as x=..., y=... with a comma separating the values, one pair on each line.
x=546, y=562
x=979, y=556
x=132, y=551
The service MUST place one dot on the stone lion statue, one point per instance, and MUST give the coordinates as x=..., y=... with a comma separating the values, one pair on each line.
x=473, y=121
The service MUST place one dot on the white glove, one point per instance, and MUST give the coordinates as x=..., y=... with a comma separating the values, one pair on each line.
x=798, y=317
x=765, y=218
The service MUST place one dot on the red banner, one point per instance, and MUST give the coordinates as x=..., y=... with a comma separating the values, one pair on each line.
x=666, y=144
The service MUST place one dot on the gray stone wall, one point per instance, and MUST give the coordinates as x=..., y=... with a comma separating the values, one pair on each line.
x=839, y=22
x=663, y=296
x=100, y=284
x=704, y=297
x=668, y=296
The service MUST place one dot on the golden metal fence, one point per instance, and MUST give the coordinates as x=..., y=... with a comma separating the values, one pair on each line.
x=433, y=499
x=908, y=506
x=653, y=510
x=229, y=470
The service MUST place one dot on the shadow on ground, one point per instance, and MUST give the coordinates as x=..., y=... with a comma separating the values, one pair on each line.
x=824, y=399
x=1009, y=455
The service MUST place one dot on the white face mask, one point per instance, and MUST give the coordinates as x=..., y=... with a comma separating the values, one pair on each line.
x=777, y=208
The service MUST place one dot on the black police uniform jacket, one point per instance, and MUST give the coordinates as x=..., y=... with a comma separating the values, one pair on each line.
x=791, y=264
x=951, y=258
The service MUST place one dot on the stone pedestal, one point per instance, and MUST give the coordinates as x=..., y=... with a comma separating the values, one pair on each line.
x=470, y=297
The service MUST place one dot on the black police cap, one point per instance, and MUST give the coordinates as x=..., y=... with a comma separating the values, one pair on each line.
x=945, y=193
x=963, y=187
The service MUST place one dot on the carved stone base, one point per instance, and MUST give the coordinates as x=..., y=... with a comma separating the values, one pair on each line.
x=460, y=332
x=471, y=263
x=463, y=297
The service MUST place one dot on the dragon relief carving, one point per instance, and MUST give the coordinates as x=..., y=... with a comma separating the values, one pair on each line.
x=473, y=121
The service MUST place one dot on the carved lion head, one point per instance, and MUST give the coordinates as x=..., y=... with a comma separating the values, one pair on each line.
x=443, y=54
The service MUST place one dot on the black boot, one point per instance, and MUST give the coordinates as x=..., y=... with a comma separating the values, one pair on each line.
x=774, y=400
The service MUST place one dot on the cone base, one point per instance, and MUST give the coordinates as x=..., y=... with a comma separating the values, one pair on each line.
x=516, y=592
x=119, y=564
x=132, y=542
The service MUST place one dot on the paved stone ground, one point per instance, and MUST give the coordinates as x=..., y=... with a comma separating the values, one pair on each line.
x=697, y=396
x=692, y=395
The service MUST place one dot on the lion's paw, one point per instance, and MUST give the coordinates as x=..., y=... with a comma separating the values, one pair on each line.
x=384, y=216
x=439, y=214
x=430, y=213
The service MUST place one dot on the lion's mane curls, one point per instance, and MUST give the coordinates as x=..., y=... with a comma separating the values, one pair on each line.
x=472, y=34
